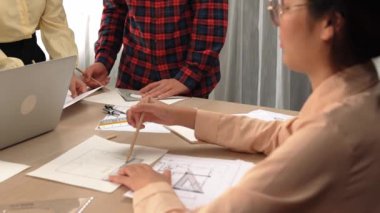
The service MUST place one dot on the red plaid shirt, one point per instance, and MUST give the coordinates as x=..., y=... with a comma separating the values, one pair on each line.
x=163, y=39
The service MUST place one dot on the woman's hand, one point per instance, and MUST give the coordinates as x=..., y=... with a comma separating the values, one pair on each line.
x=137, y=176
x=154, y=111
x=158, y=112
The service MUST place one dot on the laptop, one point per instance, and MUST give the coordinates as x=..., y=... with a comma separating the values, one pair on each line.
x=32, y=98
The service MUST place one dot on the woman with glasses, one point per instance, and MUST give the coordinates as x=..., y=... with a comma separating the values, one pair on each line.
x=324, y=160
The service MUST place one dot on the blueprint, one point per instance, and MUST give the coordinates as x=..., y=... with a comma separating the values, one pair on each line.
x=90, y=163
x=197, y=181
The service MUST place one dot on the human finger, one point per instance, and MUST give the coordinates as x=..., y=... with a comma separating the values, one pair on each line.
x=149, y=87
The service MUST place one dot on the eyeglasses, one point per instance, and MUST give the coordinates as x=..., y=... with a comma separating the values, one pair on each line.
x=276, y=8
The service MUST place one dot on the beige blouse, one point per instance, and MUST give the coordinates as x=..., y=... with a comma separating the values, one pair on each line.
x=325, y=160
x=19, y=19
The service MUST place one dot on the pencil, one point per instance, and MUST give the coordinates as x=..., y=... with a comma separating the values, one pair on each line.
x=98, y=82
x=135, y=137
x=110, y=137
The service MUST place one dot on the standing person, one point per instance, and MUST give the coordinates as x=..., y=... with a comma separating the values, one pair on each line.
x=19, y=21
x=170, y=47
x=324, y=160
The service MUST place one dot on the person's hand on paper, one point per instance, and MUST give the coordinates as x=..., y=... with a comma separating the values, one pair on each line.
x=137, y=176
x=77, y=86
x=164, y=88
x=98, y=72
x=158, y=112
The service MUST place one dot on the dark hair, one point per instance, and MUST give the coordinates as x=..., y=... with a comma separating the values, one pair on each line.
x=359, y=38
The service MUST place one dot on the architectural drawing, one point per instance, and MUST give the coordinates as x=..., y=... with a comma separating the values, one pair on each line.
x=90, y=163
x=191, y=182
x=197, y=181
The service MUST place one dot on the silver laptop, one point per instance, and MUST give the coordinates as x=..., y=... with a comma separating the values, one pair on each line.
x=32, y=98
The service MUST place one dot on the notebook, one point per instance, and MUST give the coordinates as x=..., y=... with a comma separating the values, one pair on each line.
x=32, y=98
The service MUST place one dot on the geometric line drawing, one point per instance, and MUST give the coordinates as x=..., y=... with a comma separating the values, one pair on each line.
x=88, y=164
x=188, y=182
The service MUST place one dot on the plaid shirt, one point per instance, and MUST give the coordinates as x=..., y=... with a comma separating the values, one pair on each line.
x=163, y=39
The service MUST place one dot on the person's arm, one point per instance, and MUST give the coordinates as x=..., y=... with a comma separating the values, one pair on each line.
x=111, y=32
x=9, y=62
x=57, y=37
x=304, y=175
x=242, y=133
x=253, y=135
x=207, y=39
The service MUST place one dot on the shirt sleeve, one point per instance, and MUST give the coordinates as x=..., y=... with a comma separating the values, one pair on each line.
x=304, y=175
x=8, y=62
x=241, y=133
x=57, y=37
x=156, y=197
x=207, y=39
x=110, y=32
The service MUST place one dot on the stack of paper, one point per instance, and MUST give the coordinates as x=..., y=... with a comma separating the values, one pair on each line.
x=120, y=123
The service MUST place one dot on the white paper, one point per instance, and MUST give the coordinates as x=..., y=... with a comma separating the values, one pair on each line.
x=8, y=170
x=268, y=115
x=90, y=163
x=171, y=100
x=198, y=181
x=70, y=100
x=184, y=132
x=113, y=97
x=120, y=123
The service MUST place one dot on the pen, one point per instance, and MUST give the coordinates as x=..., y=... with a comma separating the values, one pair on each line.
x=135, y=137
x=98, y=82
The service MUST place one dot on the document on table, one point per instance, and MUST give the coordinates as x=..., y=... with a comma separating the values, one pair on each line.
x=113, y=97
x=90, y=163
x=198, y=181
x=110, y=97
x=70, y=100
x=120, y=123
x=8, y=170
x=184, y=132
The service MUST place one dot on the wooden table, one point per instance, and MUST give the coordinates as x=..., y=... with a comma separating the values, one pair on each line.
x=77, y=124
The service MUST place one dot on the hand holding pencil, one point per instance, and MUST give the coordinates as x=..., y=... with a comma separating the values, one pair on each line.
x=95, y=75
x=135, y=138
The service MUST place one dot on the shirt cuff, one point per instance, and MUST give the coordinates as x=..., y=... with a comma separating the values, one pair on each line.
x=106, y=61
x=188, y=77
x=156, y=197
x=206, y=126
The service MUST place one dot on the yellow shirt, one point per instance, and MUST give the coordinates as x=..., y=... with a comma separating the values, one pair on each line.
x=19, y=19
x=327, y=159
x=9, y=63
